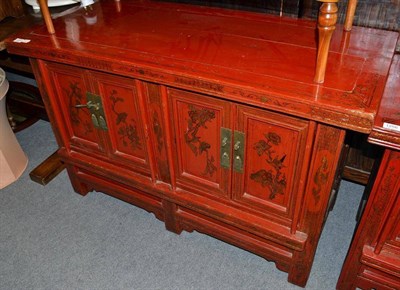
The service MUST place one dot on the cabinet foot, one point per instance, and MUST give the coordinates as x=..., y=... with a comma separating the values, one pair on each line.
x=79, y=187
x=299, y=278
x=171, y=221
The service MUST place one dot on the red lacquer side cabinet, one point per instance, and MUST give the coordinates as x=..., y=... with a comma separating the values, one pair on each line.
x=208, y=118
x=373, y=260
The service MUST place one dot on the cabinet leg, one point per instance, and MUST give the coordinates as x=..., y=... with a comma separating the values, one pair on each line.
x=326, y=155
x=171, y=222
x=78, y=186
x=300, y=277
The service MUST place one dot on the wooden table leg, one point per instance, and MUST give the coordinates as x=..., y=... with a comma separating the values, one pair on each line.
x=351, y=10
x=44, y=9
x=327, y=19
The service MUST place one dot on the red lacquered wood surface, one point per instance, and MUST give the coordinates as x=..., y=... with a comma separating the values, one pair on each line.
x=373, y=260
x=71, y=85
x=262, y=59
x=209, y=118
x=275, y=153
x=199, y=120
x=386, y=130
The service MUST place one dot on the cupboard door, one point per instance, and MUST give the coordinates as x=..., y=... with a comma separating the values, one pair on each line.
x=68, y=87
x=271, y=178
x=127, y=144
x=197, y=121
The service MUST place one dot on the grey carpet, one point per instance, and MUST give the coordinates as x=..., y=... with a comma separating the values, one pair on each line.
x=52, y=238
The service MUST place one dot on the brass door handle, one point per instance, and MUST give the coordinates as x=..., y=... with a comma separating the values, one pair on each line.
x=224, y=141
x=238, y=158
x=238, y=163
x=225, y=150
x=95, y=106
x=89, y=105
x=236, y=146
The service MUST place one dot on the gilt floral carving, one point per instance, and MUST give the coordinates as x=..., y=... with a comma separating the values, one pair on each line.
x=75, y=96
x=320, y=179
x=272, y=177
x=198, y=118
x=127, y=129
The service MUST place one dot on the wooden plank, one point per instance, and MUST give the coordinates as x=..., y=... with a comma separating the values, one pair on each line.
x=47, y=170
x=355, y=175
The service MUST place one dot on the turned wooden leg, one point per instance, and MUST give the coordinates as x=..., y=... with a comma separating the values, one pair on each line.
x=326, y=25
x=351, y=10
x=44, y=9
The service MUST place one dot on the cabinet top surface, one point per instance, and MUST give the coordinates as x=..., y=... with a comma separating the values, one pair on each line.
x=250, y=51
x=386, y=130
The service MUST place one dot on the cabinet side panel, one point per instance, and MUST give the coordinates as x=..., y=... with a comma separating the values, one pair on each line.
x=325, y=157
x=389, y=236
x=42, y=79
x=376, y=241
